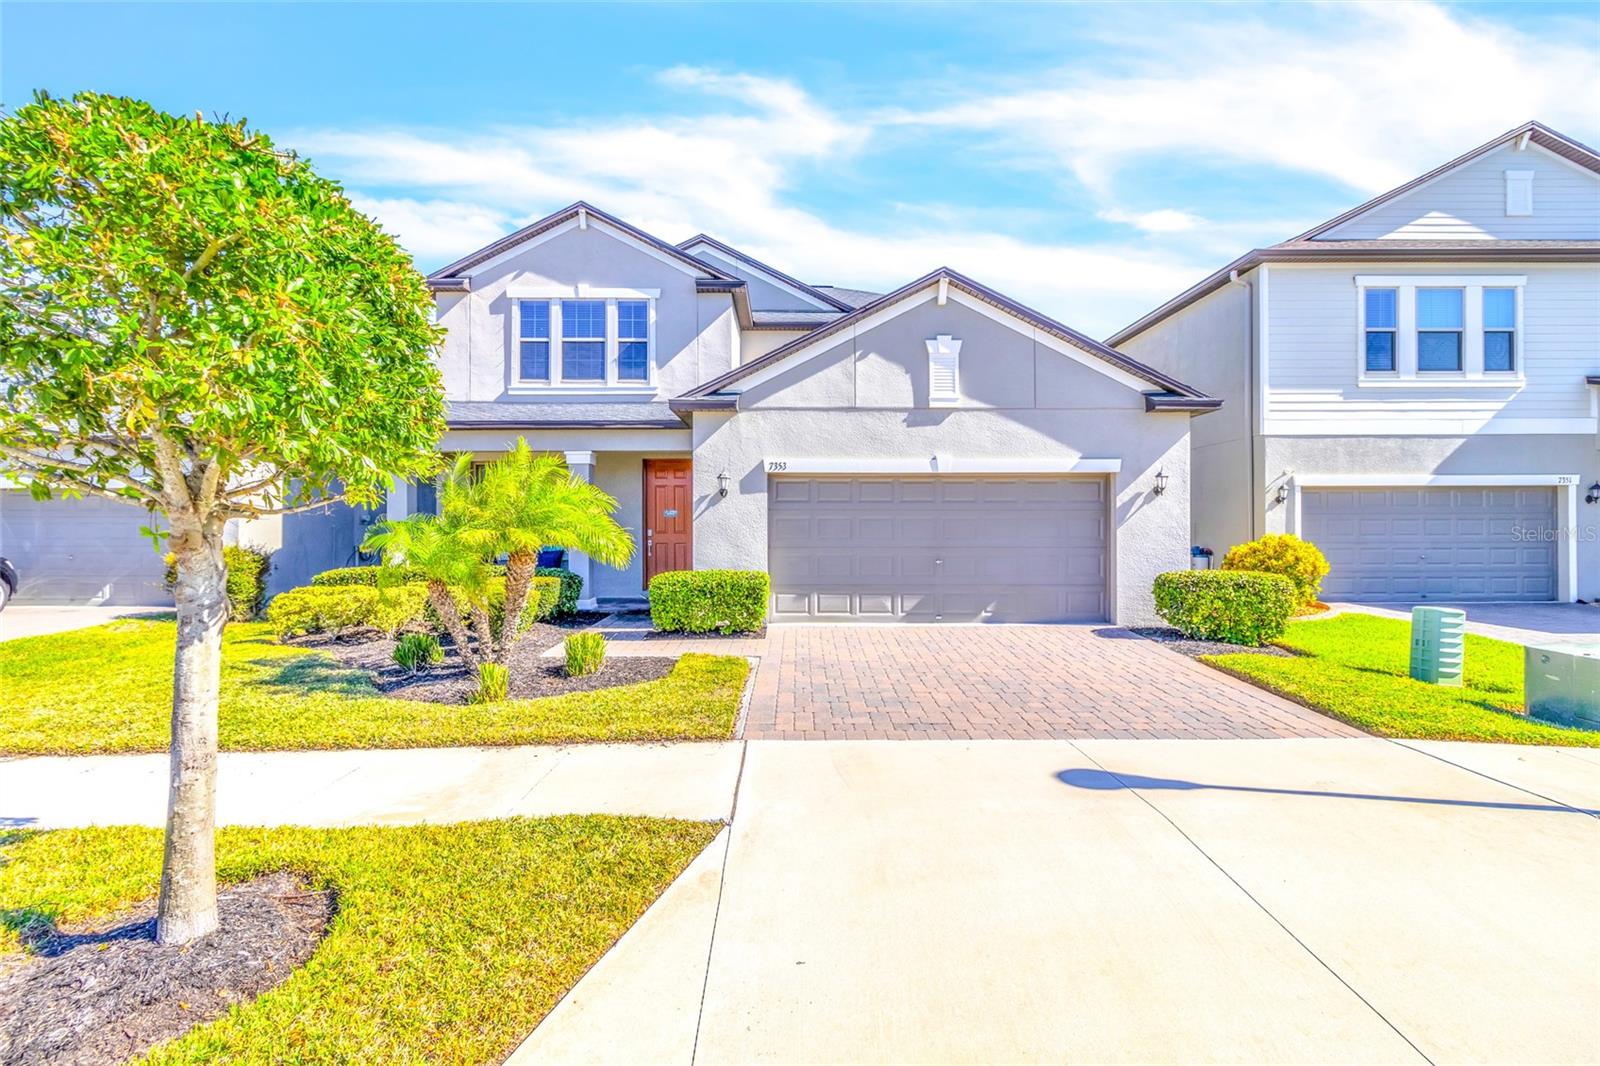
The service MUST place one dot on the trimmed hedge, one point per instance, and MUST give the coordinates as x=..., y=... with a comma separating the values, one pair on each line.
x=700, y=601
x=1287, y=555
x=566, y=604
x=571, y=589
x=247, y=579
x=338, y=608
x=1233, y=606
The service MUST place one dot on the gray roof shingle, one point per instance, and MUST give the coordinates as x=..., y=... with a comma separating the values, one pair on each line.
x=559, y=414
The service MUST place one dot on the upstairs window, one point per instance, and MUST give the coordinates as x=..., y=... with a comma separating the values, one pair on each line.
x=593, y=341
x=633, y=340
x=1439, y=326
x=583, y=340
x=533, y=340
x=1436, y=331
x=1381, y=323
x=1499, y=331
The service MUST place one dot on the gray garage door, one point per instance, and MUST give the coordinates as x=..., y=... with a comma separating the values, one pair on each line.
x=926, y=549
x=1434, y=543
x=87, y=551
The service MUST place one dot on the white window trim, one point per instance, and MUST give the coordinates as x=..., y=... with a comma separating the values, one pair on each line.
x=1472, y=373
x=611, y=385
x=942, y=347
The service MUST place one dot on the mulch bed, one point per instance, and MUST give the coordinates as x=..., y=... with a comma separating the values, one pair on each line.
x=532, y=675
x=108, y=995
x=1171, y=638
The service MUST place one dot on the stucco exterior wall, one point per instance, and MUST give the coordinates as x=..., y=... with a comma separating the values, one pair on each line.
x=1209, y=346
x=696, y=336
x=864, y=398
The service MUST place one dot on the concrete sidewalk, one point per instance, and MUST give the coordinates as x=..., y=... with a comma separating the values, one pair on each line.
x=332, y=788
x=1120, y=901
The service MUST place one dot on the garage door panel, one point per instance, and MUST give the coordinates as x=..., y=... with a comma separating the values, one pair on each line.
x=1434, y=543
x=83, y=551
x=938, y=549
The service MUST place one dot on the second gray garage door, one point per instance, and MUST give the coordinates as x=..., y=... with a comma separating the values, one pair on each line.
x=937, y=549
x=85, y=552
x=1446, y=544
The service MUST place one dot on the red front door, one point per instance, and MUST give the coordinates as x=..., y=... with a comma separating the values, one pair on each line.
x=668, y=525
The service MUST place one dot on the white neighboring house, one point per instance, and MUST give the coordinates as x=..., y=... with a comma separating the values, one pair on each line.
x=1411, y=385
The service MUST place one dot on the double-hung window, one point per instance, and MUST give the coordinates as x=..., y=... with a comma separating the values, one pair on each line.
x=533, y=340
x=633, y=340
x=1381, y=323
x=593, y=339
x=583, y=340
x=1440, y=322
x=1440, y=331
x=1499, y=331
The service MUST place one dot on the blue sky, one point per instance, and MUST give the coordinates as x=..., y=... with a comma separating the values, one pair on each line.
x=1091, y=160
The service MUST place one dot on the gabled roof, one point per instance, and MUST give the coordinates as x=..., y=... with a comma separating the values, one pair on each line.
x=759, y=267
x=1536, y=132
x=852, y=297
x=454, y=278
x=1167, y=391
x=1311, y=245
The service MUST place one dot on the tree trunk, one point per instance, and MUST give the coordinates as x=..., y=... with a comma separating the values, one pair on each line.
x=449, y=612
x=188, y=905
x=520, y=567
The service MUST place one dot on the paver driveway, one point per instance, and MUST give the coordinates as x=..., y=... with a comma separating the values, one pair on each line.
x=1018, y=682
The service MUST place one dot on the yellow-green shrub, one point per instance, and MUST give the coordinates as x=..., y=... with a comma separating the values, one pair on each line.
x=1286, y=555
x=699, y=601
x=334, y=609
x=586, y=652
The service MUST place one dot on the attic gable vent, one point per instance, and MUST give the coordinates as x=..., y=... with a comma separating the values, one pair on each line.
x=1519, y=192
x=944, y=369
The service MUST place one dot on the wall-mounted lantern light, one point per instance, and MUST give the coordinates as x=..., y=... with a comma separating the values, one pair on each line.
x=1283, y=494
x=722, y=483
x=1161, y=482
x=1594, y=493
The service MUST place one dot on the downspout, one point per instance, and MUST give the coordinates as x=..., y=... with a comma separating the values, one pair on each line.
x=1253, y=370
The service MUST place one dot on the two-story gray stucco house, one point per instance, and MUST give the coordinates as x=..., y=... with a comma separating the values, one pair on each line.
x=1411, y=385
x=938, y=453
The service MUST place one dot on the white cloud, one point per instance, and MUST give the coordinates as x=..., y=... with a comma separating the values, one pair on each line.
x=1368, y=96
x=1162, y=220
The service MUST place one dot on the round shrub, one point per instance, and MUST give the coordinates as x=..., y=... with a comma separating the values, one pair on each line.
x=247, y=569
x=699, y=601
x=1233, y=606
x=1286, y=555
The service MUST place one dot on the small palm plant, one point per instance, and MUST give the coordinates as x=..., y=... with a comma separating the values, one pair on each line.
x=523, y=502
x=457, y=574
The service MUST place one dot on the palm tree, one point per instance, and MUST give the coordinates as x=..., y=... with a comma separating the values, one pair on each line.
x=522, y=502
x=452, y=566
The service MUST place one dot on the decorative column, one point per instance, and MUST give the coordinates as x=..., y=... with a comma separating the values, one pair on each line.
x=582, y=465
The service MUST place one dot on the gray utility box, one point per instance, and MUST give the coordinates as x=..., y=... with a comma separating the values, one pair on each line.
x=1562, y=684
x=1438, y=644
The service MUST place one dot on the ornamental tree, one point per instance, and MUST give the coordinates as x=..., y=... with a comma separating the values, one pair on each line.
x=196, y=323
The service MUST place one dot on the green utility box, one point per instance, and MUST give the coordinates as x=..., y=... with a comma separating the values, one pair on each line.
x=1561, y=684
x=1438, y=644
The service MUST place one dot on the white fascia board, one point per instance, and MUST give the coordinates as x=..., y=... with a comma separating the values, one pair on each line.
x=1430, y=427
x=1430, y=281
x=1318, y=481
x=578, y=291
x=567, y=227
x=733, y=266
x=940, y=464
x=1051, y=341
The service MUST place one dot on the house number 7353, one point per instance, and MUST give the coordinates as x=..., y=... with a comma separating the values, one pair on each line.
x=776, y=464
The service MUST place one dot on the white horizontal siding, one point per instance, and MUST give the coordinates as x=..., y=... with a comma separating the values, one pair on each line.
x=1312, y=367
x=1470, y=203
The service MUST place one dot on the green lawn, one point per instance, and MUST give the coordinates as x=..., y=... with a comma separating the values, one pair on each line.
x=109, y=689
x=1355, y=667
x=450, y=942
